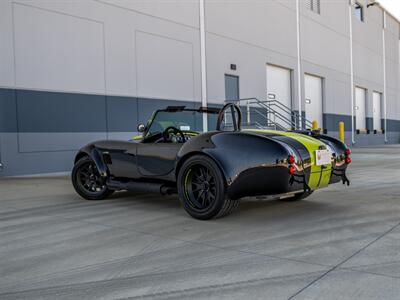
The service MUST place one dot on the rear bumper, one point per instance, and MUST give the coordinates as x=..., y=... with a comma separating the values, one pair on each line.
x=263, y=181
x=276, y=180
x=339, y=174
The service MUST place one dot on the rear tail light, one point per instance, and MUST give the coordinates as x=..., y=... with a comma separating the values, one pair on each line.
x=291, y=159
x=292, y=170
x=347, y=158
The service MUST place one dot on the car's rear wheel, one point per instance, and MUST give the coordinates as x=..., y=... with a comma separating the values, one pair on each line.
x=87, y=181
x=201, y=188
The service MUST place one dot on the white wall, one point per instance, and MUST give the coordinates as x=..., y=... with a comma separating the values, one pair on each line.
x=59, y=52
x=90, y=47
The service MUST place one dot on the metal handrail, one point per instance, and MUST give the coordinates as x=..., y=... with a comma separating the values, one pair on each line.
x=288, y=110
x=268, y=122
x=269, y=110
x=296, y=115
x=289, y=122
x=258, y=125
x=272, y=107
x=281, y=106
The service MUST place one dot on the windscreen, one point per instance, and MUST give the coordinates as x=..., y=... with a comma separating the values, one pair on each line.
x=183, y=120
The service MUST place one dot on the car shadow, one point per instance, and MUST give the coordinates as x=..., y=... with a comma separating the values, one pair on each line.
x=150, y=199
x=251, y=209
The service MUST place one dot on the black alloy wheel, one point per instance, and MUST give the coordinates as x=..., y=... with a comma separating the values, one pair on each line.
x=201, y=188
x=87, y=181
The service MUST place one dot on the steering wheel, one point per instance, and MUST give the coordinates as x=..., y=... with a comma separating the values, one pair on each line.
x=171, y=129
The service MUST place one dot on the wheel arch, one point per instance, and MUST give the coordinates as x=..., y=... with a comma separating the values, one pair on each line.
x=80, y=155
x=92, y=152
x=185, y=157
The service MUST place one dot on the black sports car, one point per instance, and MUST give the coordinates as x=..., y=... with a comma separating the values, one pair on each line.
x=210, y=170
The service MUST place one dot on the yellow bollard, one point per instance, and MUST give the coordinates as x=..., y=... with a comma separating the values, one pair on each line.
x=341, y=131
x=315, y=125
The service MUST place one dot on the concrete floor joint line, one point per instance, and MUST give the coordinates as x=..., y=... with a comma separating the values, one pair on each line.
x=344, y=261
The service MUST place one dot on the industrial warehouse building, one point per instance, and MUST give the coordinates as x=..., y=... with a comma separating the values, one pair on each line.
x=76, y=71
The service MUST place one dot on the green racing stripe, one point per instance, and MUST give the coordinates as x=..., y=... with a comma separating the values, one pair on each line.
x=319, y=175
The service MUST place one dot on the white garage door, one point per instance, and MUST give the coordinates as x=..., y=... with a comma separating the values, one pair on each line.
x=279, y=85
x=376, y=105
x=279, y=88
x=360, y=108
x=313, y=98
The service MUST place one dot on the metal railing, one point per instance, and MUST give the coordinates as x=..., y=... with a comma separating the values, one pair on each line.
x=271, y=114
x=279, y=106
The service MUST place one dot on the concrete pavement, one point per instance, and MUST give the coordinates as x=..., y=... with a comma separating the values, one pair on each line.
x=340, y=243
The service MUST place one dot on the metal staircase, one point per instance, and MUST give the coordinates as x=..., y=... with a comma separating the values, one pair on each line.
x=270, y=114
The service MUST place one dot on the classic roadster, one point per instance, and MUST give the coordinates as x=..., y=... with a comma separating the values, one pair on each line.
x=210, y=170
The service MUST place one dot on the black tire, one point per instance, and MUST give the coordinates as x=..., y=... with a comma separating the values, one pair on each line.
x=87, y=181
x=298, y=197
x=201, y=189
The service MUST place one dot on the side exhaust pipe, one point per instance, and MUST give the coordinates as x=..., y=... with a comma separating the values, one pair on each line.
x=143, y=187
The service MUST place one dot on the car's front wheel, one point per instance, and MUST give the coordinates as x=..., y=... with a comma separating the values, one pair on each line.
x=201, y=188
x=87, y=181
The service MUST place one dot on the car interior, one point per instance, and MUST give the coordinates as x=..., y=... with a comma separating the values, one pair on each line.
x=177, y=124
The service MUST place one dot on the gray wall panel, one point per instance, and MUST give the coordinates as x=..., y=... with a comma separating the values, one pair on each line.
x=60, y=112
x=16, y=163
x=393, y=125
x=331, y=122
x=56, y=141
x=147, y=106
x=122, y=114
x=369, y=139
x=370, y=123
x=8, y=115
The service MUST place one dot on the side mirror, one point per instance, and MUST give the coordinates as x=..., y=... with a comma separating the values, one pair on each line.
x=141, y=127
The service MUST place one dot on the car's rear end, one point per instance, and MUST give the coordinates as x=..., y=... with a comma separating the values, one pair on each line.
x=268, y=162
x=315, y=161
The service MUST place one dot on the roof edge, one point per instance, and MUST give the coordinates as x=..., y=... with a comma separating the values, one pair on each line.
x=386, y=10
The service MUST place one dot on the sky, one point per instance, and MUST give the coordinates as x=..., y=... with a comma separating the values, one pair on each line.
x=393, y=6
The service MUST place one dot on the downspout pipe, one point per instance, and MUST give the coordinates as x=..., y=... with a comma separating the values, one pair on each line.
x=384, y=75
x=299, y=89
x=203, y=61
x=384, y=12
x=351, y=69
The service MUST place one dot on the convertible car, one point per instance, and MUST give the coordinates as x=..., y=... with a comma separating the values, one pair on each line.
x=210, y=170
